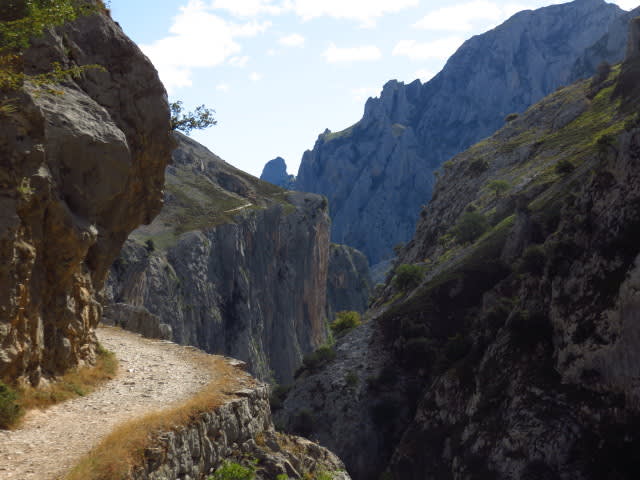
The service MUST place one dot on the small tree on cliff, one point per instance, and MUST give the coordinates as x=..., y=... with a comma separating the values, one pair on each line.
x=199, y=119
x=20, y=22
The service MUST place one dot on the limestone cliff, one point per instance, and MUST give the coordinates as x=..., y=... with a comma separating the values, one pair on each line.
x=349, y=280
x=377, y=173
x=233, y=265
x=516, y=356
x=275, y=171
x=81, y=168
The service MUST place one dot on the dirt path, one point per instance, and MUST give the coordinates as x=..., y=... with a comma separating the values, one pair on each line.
x=51, y=442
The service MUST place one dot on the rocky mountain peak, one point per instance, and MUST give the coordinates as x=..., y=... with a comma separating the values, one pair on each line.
x=275, y=172
x=395, y=104
x=411, y=130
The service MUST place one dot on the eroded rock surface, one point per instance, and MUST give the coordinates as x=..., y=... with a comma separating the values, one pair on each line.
x=81, y=168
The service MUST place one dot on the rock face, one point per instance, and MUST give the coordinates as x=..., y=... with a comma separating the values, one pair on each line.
x=517, y=355
x=610, y=48
x=233, y=264
x=81, y=169
x=275, y=171
x=136, y=319
x=377, y=173
x=349, y=281
x=235, y=431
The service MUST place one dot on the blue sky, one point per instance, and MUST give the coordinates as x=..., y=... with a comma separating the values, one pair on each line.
x=278, y=72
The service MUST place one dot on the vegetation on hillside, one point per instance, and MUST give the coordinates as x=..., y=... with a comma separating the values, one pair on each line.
x=20, y=22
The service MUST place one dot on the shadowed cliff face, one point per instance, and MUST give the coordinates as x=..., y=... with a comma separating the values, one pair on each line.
x=517, y=355
x=377, y=173
x=81, y=168
x=239, y=266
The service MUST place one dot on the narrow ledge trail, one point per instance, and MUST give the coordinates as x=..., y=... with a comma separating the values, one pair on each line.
x=153, y=375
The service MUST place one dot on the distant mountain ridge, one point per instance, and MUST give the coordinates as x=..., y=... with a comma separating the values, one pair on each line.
x=378, y=172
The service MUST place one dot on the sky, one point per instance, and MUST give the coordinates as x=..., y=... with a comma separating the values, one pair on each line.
x=279, y=72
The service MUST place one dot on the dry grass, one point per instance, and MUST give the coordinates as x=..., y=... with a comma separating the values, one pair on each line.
x=75, y=383
x=120, y=452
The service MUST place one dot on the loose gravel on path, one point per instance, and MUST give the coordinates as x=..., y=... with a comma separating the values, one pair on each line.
x=153, y=375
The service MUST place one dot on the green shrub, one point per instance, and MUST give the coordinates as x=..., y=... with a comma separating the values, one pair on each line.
x=321, y=356
x=533, y=260
x=564, y=167
x=234, y=471
x=632, y=122
x=511, y=117
x=479, y=165
x=345, y=321
x=150, y=245
x=470, y=226
x=498, y=187
x=278, y=396
x=605, y=141
x=602, y=73
x=351, y=379
x=408, y=277
x=10, y=411
x=303, y=423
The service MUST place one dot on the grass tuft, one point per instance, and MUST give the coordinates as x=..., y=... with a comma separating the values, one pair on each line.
x=75, y=383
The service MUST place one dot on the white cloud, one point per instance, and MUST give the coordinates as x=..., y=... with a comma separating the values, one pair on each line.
x=464, y=16
x=250, y=29
x=223, y=87
x=442, y=48
x=365, y=53
x=255, y=76
x=271, y=52
x=176, y=55
x=293, y=40
x=361, y=95
x=249, y=8
x=424, y=75
x=627, y=4
x=364, y=11
x=239, y=62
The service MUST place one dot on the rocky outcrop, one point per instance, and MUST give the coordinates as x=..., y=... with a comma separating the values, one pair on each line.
x=516, y=356
x=233, y=264
x=348, y=281
x=81, y=168
x=275, y=171
x=136, y=319
x=377, y=173
x=238, y=431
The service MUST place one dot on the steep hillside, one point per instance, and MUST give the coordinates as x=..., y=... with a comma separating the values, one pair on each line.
x=514, y=354
x=232, y=264
x=377, y=173
x=82, y=166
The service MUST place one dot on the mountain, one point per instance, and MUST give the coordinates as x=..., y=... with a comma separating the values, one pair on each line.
x=378, y=172
x=234, y=265
x=82, y=166
x=506, y=345
x=275, y=171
